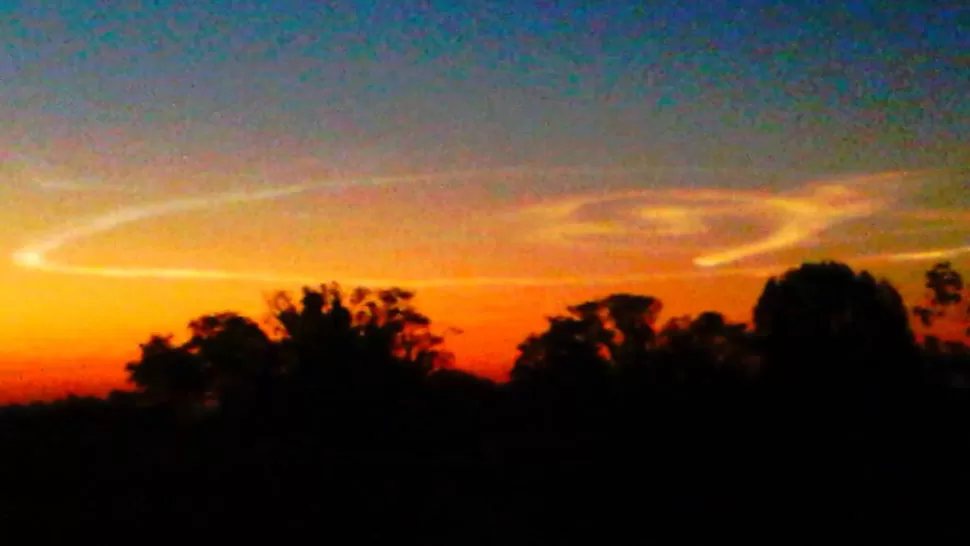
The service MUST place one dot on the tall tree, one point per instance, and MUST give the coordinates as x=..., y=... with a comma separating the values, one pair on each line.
x=338, y=336
x=169, y=374
x=704, y=350
x=227, y=356
x=594, y=337
x=238, y=357
x=826, y=325
x=947, y=298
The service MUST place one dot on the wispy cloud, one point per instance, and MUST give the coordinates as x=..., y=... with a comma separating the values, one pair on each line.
x=793, y=220
x=71, y=186
x=676, y=217
x=35, y=255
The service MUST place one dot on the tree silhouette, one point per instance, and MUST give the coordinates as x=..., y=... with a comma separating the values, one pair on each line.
x=317, y=338
x=706, y=350
x=344, y=394
x=378, y=341
x=824, y=325
x=947, y=298
x=618, y=335
x=598, y=335
x=947, y=304
x=238, y=357
x=378, y=331
x=169, y=374
x=564, y=378
x=227, y=356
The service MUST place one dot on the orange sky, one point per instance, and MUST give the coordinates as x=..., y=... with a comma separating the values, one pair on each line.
x=159, y=161
x=100, y=256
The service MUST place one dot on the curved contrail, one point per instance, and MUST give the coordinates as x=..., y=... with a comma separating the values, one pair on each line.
x=803, y=216
x=917, y=256
x=35, y=255
x=807, y=217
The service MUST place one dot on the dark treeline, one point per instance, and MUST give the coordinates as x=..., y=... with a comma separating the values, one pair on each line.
x=342, y=413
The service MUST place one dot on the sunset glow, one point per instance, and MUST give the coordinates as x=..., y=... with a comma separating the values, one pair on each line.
x=638, y=236
x=526, y=165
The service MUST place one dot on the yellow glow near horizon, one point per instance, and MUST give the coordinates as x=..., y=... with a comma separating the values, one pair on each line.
x=111, y=269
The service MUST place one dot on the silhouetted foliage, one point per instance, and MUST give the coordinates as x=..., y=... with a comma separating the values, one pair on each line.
x=946, y=297
x=601, y=334
x=227, y=356
x=344, y=413
x=380, y=328
x=168, y=373
x=827, y=326
x=947, y=305
x=706, y=350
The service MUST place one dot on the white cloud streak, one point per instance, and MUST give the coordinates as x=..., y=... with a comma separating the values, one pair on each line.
x=804, y=218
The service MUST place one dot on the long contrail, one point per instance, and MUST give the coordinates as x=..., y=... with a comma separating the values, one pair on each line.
x=35, y=255
x=807, y=217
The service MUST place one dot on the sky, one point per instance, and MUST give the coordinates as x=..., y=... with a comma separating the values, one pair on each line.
x=160, y=160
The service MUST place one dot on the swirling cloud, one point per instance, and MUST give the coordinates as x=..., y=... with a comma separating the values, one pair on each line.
x=788, y=220
x=35, y=255
x=805, y=217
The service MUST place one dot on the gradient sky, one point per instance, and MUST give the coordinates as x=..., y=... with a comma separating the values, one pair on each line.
x=685, y=150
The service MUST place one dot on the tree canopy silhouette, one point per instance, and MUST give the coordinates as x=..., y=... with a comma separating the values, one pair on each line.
x=825, y=325
x=704, y=350
x=378, y=328
x=595, y=336
x=323, y=342
x=947, y=298
x=351, y=396
x=620, y=333
x=945, y=311
x=169, y=374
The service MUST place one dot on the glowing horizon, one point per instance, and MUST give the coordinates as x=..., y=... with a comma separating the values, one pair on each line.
x=158, y=163
x=672, y=234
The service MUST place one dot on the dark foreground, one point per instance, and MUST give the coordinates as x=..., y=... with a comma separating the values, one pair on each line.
x=701, y=465
x=826, y=421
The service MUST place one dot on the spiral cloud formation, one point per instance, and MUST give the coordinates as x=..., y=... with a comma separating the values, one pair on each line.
x=786, y=221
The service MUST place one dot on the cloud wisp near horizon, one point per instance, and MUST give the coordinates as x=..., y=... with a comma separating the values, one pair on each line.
x=677, y=217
